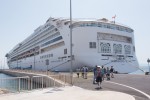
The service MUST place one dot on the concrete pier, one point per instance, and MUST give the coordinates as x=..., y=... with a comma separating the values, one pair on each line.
x=122, y=87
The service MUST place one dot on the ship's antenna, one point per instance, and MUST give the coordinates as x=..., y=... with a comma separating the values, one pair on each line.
x=71, y=72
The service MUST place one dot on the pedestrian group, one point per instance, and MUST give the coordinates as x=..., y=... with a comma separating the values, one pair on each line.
x=100, y=72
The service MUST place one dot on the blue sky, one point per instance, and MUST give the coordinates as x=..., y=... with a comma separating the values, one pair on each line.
x=19, y=18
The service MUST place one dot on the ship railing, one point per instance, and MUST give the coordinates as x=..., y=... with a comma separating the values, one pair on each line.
x=26, y=83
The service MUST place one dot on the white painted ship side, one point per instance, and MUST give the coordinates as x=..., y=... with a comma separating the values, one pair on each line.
x=95, y=42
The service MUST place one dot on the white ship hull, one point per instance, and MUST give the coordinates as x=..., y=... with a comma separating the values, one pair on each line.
x=92, y=45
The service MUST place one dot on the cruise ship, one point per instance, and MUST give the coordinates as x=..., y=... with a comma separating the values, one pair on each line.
x=94, y=42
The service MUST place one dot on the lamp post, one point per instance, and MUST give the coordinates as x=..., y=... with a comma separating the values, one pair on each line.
x=4, y=63
x=18, y=53
x=1, y=65
x=148, y=61
x=17, y=58
x=71, y=76
x=34, y=59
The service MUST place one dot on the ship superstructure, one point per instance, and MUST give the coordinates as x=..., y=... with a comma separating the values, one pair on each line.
x=94, y=42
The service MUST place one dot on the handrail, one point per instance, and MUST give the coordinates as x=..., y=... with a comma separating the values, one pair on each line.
x=59, y=65
x=26, y=83
x=107, y=63
x=125, y=61
x=135, y=66
x=15, y=77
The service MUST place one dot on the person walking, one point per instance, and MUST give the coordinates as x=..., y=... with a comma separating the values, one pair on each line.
x=99, y=77
x=102, y=71
x=78, y=72
x=82, y=71
x=85, y=72
x=112, y=71
x=108, y=73
x=94, y=73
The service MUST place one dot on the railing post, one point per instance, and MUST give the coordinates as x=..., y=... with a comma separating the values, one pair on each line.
x=19, y=85
x=31, y=83
x=54, y=81
x=64, y=80
x=28, y=83
x=42, y=82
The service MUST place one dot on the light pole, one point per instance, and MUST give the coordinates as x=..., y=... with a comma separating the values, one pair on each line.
x=1, y=65
x=17, y=58
x=18, y=53
x=148, y=60
x=71, y=76
x=34, y=58
x=4, y=63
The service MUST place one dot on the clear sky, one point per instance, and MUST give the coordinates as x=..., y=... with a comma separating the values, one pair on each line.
x=19, y=18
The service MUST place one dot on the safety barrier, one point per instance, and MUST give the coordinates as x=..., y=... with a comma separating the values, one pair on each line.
x=65, y=77
x=26, y=83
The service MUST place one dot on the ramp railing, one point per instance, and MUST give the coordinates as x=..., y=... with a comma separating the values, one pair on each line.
x=26, y=83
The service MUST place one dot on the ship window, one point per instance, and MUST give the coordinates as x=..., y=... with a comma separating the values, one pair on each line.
x=52, y=47
x=92, y=44
x=65, y=51
x=127, y=49
x=117, y=48
x=134, y=48
x=105, y=48
x=52, y=41
x=109, y=26
x=99, y=25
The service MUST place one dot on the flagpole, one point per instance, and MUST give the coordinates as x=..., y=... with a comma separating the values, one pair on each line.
x=114, y=17
x=71, y=72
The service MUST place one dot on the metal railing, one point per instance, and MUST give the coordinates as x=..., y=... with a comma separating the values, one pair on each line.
x=26, y=83
x=14, y=84
x=64, y=77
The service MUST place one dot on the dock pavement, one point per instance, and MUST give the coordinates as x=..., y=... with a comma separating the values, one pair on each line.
x=137, y=86
x=122, y=87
